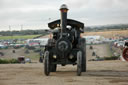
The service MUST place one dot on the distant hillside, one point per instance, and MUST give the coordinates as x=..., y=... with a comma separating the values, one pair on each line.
x=107, y=27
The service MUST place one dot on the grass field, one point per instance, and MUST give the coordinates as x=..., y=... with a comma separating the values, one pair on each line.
x=8, y=54
x=107, y=34
x=18, y=37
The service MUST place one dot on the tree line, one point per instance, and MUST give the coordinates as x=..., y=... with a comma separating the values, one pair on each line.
x=23, y=32
x=107, y=27
x=44, y=32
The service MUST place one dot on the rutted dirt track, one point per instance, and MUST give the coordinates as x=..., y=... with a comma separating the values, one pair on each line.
x=98, y=73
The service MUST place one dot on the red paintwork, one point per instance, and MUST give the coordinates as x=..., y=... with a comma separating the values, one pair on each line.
x=125, y=54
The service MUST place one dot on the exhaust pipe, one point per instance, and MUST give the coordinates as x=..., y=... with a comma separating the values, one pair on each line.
x=63, y=10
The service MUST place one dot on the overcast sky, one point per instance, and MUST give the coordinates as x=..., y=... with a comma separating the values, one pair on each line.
x=35, y=14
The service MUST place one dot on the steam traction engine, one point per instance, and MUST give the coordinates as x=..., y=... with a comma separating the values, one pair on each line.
x=66, y=45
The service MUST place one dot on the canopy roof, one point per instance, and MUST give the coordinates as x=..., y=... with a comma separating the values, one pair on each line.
x=70, y=22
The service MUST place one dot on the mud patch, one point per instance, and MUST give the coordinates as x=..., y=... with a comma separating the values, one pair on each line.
x=117, y=80
x=5, y=79
x=106, y=73
x=33, y=83
x=72, y=80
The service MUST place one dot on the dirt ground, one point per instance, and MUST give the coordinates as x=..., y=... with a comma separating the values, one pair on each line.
x=98, y=73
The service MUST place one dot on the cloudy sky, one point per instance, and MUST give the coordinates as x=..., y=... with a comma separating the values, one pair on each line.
x=35, y=14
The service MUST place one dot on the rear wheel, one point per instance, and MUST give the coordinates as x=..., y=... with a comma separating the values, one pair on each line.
x=46, y=63
x=83, y=62
x=79, y=63
x=84, y=66
x=82, y=47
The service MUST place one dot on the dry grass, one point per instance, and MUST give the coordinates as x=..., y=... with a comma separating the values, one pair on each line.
x=109, y=34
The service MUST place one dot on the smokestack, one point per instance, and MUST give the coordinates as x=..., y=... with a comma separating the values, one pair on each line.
x=63, y=10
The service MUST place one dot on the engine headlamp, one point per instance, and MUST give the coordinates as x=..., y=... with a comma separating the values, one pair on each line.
x=54, y=56
x=71, y=56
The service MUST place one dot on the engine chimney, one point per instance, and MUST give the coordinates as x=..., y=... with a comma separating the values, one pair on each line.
x=63, y=10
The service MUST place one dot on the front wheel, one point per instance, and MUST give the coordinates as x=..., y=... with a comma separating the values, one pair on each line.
x=46, y=63
x=79, y=63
